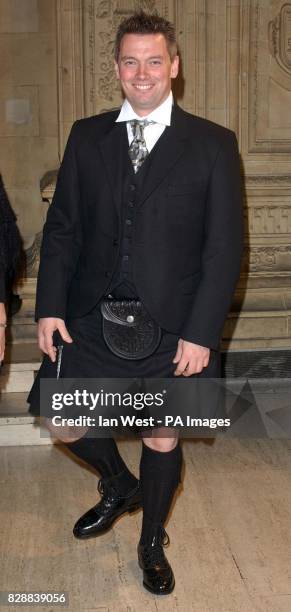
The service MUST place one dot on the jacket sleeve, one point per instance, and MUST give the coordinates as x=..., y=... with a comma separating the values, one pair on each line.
x=62, y=239
x=222, y=249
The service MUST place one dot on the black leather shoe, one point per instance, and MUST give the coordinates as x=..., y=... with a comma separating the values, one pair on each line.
x=158, y=577
x=100, y=518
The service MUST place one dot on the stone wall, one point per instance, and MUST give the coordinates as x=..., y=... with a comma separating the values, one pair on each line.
x=28, y=103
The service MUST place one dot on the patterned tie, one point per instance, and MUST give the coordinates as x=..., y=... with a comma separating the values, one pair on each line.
x=138, y=149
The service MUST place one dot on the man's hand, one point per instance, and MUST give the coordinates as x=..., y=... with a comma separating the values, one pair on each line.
x=2, y=330
x=191, y=358
x=46, y=328
x=2, y=343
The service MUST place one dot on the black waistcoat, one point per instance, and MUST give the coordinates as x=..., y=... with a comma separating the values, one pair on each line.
x=122, y=284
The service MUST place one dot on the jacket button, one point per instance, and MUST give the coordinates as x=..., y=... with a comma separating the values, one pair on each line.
x=132, y=187
x=115, y=242
x=107, y=274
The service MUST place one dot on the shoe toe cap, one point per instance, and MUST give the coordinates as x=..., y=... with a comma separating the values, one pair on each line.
x=86, y=524
x=161, y=583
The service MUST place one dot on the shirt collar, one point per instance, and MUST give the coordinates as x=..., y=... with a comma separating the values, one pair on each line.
x=161, y=114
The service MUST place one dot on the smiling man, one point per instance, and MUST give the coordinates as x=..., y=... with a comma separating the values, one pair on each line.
x=145, y=224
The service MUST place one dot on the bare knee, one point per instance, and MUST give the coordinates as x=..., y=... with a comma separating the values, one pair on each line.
x=65, y=434
x=163, y=445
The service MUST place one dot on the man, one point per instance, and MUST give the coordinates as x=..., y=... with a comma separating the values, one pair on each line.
x=147, y=206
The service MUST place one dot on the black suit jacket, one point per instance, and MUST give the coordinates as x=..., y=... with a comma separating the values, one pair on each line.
x=187, y=243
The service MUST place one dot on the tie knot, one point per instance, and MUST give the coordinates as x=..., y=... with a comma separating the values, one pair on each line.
x=138, y=125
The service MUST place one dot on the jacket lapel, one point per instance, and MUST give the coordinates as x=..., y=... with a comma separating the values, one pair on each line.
x=113, y=148
x=170, y=147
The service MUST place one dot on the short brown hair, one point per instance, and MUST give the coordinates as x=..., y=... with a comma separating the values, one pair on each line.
x=145, y=23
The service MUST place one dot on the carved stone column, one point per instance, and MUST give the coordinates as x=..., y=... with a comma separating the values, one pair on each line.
x=264, y=296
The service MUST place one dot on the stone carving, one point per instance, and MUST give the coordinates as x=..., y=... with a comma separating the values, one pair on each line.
x=280, y=37
x=267, y=259
x=268, y=87
x=146, y=5
x=268, y=179
x=269, y=219
x=32, y=256
x=48, y=185
x=103, y=9
x=107, y=86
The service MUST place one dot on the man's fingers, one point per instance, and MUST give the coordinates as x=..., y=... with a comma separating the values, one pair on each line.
x=46, y=328
x=2, y=344
x=179, y=352
x=193, y=360
x=64, y=332
x=41, y=341
x=181, y=366
x=206, y=362
x=194, y=367
x=46, y=344
x=51, y=352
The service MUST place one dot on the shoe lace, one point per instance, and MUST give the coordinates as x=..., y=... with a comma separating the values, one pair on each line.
x=107, y=488
x=101, y=486
x=154, y=553
x=104, y=488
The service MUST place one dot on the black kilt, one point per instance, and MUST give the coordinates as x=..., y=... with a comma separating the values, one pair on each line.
x=89, y=357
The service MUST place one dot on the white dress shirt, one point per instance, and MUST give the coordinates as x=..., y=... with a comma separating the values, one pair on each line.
x=161, y=115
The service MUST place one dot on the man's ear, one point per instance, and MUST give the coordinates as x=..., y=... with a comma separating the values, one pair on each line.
x=116, y=68
x=175, y=67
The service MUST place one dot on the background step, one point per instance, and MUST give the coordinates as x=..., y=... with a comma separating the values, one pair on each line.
x=17, y=426
x=21, y=363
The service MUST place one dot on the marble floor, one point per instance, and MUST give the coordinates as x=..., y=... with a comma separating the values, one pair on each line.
x=230, y=531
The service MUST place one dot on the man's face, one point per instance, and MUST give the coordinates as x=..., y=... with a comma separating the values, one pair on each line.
x=145, y=71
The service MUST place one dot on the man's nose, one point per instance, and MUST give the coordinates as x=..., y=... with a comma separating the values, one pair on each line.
x=142, y=72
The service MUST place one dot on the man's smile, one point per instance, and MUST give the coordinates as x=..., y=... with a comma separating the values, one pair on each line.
x=142, y=87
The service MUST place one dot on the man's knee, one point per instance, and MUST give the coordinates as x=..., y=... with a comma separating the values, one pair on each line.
x=65, y=434
x=163, y=445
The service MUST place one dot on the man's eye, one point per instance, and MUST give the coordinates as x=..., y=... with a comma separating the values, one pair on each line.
x=129, y=63
x=156, y=62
